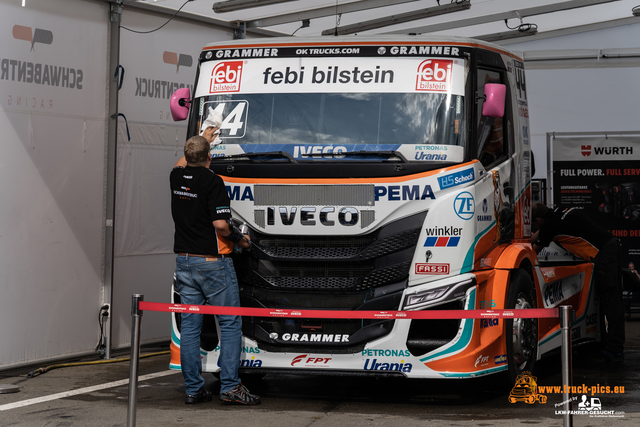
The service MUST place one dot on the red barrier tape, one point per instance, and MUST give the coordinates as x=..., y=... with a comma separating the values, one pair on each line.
x=529, y=313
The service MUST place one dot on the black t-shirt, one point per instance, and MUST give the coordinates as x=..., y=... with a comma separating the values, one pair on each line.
x=575, y=231
x=198, y=197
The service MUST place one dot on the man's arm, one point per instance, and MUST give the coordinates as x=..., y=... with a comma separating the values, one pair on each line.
x=533, y=239
x=222, y=228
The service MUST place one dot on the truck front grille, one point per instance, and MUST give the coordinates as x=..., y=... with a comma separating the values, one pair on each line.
x=366, y=272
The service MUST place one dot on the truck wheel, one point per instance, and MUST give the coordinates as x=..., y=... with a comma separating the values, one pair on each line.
x=521, y=334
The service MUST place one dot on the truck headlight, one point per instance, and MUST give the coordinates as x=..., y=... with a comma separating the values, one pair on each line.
x=439, y=295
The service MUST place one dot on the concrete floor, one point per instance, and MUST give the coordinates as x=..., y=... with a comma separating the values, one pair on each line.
x=97, y=395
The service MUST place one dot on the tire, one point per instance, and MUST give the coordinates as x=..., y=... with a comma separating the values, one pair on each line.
x=521, y=335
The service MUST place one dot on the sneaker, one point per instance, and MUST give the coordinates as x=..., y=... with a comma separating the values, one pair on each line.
x=239, y=396
x=201, y=396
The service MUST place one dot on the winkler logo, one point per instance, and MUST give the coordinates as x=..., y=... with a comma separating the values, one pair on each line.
x=38, y=35
x=177, y=60
x=586, y=150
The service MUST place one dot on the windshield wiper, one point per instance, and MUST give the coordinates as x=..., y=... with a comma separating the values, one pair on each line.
x=389, y=153
x=254, y=156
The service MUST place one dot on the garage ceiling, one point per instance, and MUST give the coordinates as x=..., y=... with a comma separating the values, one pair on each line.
x=482, y=18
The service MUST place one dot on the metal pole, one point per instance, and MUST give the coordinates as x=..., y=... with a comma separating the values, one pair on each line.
x=550, y=184
x=111, y=166
x=136, y=317
x=566, y=319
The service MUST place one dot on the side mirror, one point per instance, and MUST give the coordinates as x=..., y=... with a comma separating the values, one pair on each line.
x=179, y=103
x=495, y=95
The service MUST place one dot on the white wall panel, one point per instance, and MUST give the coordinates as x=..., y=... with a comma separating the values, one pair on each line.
x=155, y=65
x=52, y=116
x=582, y=98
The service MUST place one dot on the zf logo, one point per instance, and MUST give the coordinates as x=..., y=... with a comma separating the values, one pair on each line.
x=434, y=75
x=37, y=36
x=177, y=60
x=226, y=76
x=464, y=205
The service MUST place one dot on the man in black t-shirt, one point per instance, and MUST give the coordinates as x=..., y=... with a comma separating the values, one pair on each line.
x=203, y=241
x=582, y=236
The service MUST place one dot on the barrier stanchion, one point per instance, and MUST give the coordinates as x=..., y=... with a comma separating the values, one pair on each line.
x=566, y=319
x=565, y=314
x=136, y=317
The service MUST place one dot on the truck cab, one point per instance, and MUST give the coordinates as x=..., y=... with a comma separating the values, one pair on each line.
x=377, y=173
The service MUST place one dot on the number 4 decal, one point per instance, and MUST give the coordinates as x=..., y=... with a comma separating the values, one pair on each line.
x=234, y=123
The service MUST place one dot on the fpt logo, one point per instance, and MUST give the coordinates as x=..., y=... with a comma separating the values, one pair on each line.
x=464, y=205
x=176, y=59
x=586, y=150
x=311, y=361
x=32, y=36
x=434, y=75
x=226, y=77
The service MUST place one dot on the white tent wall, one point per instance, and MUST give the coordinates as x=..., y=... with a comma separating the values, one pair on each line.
x=155, y=65
x=52, y=117
x=53, y=114
x=581, y=95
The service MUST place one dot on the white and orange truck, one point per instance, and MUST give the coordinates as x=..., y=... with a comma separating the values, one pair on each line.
x=381, y=173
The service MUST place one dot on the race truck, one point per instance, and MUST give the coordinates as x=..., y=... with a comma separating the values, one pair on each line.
x=381, y=173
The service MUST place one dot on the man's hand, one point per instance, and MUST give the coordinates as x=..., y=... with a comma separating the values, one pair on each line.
x=210, y=133
x=245, y=243
x=223, y=229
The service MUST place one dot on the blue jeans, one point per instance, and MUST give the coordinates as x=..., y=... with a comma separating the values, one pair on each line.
x=199, y=281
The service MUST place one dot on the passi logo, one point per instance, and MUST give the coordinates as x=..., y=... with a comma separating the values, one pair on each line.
x=226, y=76
x=32, y=36
x=434, y=75
x=433, y=268
x=586, y=150
x=177, y=60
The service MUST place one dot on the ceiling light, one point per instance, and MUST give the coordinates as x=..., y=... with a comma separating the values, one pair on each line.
x=522, y=13
x=231, y=5
x=322, y=12
x=506, y=35
x=398, y=19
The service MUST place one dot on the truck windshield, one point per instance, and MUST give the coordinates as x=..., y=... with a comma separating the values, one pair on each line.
x=365, y=120
x=317, y=108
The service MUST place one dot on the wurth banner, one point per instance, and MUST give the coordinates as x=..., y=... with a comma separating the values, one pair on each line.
x=602, y=176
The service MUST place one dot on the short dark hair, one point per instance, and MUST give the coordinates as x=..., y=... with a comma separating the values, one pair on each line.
x=196, y=149
x=539, y=210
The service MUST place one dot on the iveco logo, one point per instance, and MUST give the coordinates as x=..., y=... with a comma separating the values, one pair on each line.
x=347, y=216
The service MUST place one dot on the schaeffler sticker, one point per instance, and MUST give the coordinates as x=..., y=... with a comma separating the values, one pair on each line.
x=332, y=75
